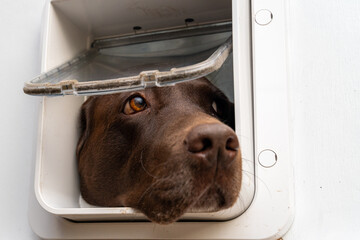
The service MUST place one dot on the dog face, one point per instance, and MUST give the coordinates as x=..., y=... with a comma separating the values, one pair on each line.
x=163, y=151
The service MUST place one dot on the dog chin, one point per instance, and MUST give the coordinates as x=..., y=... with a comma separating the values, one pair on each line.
x=211, y=201
x=214, y=200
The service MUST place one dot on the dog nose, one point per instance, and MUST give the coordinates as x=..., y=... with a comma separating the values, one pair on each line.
x=212, y=143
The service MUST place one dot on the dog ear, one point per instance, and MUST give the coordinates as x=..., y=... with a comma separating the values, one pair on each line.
x=85, y=124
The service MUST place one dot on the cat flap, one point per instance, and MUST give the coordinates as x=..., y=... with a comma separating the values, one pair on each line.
x=134, y=62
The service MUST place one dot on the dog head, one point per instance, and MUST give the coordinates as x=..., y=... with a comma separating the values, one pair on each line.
x=163, y=151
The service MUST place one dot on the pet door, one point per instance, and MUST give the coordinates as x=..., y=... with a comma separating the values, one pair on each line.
x=129, y=63
x=97, y=47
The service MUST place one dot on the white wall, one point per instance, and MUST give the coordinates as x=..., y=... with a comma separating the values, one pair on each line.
x=325, y=95
x=325, y=106
x=19, y=61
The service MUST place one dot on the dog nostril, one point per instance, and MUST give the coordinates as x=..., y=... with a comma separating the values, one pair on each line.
x=207, y=144
x=199, y=145
x=232, y=144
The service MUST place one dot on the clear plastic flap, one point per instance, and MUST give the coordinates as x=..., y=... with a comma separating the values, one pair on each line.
x=139, y=61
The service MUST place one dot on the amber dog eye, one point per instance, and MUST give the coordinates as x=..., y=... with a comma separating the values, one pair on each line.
x=134, y=105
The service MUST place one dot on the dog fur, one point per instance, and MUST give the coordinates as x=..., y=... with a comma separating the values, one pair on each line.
x=179, y=153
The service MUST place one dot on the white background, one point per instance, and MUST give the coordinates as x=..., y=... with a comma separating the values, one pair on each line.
x=324, y=93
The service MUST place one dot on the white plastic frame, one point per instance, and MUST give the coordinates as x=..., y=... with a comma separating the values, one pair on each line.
x=271, y=212
x=56, y=177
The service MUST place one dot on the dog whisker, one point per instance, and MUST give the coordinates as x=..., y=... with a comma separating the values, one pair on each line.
x=248, y=160
x=154, y=227
x=146, y=191
x=153, y=184
x=241, y=202
x=143, y=167
x=262, y=181
x=243, y=136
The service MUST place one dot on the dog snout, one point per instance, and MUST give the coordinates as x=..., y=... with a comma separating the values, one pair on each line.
x=212, y=144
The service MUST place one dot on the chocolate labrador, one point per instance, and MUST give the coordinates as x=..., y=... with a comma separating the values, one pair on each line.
x=163, y=151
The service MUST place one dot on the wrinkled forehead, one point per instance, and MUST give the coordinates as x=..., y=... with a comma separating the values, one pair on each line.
x=190, y=90
x=194, y=91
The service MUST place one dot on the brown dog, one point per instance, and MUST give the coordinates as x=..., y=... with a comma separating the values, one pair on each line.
x=163, y=151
